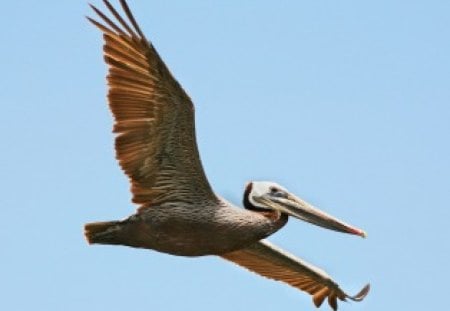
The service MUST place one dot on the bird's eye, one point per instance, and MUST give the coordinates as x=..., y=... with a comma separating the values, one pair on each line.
x=277, y=192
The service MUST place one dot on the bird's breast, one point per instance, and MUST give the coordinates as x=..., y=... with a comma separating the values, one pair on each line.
x=194, y=231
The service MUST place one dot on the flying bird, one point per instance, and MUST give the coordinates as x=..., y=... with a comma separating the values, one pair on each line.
x=178, y=211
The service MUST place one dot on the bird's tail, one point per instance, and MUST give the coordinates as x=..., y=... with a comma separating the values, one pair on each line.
x=106, y=232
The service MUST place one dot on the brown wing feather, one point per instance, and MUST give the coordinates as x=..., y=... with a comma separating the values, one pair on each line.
x=154, y=118
x=269, y=261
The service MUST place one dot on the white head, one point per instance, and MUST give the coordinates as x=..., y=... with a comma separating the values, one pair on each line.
x=258, y=189
x=263, y=196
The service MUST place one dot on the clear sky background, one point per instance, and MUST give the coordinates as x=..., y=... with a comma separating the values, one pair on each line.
x=345, y=103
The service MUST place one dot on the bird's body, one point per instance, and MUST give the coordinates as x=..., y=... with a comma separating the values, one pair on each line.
x=178, y=212
x=185, y=230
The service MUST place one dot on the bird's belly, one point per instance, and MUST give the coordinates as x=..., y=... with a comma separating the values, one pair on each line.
x=194, y=234
x=199, y=242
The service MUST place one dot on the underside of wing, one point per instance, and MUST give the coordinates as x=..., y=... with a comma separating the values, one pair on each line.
x=267, y=260
x=154, y=117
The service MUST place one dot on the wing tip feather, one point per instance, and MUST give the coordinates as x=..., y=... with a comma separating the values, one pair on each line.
x=332, y=301
x=361, y=294
x=320, y=296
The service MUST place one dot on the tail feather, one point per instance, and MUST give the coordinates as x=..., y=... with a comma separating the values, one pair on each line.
x=102, y=232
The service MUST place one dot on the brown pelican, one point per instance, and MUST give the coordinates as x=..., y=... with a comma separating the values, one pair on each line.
x=178, y=211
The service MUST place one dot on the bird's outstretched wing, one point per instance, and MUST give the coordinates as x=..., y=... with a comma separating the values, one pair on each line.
x=268, y=260
x=154, y=117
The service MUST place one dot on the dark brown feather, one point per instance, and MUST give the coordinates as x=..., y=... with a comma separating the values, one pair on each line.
x=106, y=20
x=332, y=301
x=120, y=19
x=130, y=16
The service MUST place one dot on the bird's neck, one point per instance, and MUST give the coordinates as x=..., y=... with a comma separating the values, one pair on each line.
x=277, y=218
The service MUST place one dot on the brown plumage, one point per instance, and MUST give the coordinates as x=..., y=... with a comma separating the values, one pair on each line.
x=154, y=118
x=267, y=260
x=178, y=212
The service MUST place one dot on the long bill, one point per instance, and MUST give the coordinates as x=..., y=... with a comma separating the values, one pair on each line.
x=300, y=209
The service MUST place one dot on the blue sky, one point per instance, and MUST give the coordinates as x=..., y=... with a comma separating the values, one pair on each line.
x=345, y=103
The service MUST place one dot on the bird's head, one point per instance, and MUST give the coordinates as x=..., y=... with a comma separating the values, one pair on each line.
x=264, y=196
